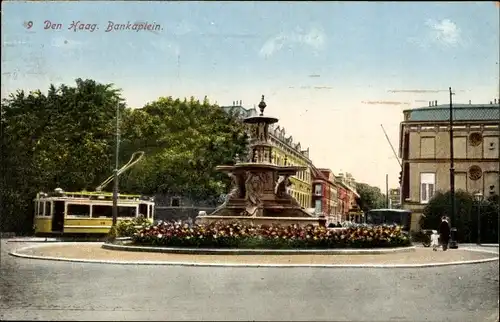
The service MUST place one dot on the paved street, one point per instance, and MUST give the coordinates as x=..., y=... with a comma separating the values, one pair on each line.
x=44, y=290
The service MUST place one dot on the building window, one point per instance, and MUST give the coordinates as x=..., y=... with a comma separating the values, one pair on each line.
x=317, y=189
x=427, y=147
x=460, y=147
x=461, y=181
x=175, y=202
x=427, y=186
x=317, y=206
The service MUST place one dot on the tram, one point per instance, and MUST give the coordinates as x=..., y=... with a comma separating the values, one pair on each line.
x=400, y=217
x=88, y=213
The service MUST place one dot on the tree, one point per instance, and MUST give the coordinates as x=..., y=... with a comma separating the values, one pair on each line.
x=184, y=141
x=466, y=215
x=370, y=197
x=60, y=139
x=66, y=138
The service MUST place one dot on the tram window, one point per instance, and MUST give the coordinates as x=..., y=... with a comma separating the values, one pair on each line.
x=79, y=210
x=40, y=207
x=102, y=211
x=143, y=210
x=47, y=208
x=126, y=212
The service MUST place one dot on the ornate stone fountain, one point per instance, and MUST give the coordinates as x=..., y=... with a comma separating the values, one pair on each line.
x=259, y=187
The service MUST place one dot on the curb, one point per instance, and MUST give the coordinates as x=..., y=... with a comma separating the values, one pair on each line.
x=161, y=263
x=34, y=240
x=489, y=245
x=209, y=251
x=50, y=240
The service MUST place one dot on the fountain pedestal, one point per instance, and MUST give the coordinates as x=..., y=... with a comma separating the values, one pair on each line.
x=259, y=188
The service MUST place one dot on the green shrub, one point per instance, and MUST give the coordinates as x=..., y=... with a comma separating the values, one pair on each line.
x=128, y=227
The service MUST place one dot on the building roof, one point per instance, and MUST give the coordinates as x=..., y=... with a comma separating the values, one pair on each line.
x=318, y=175
x=243, y=112
x=461, y=112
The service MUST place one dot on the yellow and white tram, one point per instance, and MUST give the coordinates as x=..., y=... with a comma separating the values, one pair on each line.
x=88, y=212
x=85, y=212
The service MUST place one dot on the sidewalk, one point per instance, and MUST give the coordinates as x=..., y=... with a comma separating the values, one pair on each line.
x=94, y=252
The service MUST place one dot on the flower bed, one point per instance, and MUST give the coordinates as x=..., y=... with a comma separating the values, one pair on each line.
x=237, y=235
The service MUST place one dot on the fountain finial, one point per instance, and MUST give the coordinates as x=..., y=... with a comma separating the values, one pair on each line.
x=262, y=106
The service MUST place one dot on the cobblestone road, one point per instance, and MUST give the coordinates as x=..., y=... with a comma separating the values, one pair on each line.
x=44, y=290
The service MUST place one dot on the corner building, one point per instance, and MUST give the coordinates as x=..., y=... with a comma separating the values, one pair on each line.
x=424, y=148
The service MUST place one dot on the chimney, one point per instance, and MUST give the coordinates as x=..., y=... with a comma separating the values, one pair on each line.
x=470, y=102
x=435, y=103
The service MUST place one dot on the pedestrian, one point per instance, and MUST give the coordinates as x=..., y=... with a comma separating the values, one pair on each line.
x=444, y=232
x=434, y=240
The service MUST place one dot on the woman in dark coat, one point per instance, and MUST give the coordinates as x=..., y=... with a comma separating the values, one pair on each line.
x=444, y=233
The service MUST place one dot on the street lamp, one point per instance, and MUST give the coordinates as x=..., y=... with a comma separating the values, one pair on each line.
x=453, y=231
x=115, y=172
x=478, y=196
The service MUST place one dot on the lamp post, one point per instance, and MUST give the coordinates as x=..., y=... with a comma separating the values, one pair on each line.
x=453, y=240
x=479, y=198
x=115, y=172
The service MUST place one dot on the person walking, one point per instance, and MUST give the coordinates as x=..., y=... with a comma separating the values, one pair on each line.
x=444, y=232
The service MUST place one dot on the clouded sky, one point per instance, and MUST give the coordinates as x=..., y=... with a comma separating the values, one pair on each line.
x=332, y=72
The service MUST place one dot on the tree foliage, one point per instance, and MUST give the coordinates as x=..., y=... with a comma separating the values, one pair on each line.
x=184, y=142
x=466, y=215
x=58, y=139
x=66, y=138
x=370, y=197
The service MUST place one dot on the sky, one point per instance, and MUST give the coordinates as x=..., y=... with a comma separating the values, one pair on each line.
x=332, y=72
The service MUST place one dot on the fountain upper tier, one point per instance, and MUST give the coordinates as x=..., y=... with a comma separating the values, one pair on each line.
x=261, y=118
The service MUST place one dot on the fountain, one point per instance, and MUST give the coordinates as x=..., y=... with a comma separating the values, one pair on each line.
x=259, y=188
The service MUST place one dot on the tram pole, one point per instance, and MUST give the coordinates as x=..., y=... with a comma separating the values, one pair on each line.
x=115, y=172
x=387, y=191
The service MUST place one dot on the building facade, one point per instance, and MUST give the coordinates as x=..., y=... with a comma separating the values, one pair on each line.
x=347, y=194
x=424, y=148
x=325, y=194
x=395, y=198
x=285, y=152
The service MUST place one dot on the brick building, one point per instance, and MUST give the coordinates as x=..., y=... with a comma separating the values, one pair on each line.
x=325, y=195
